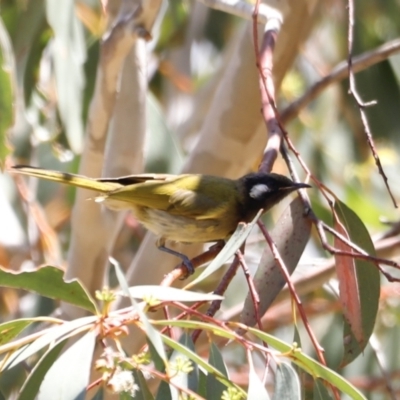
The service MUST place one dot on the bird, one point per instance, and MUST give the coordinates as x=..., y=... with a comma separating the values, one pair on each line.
x=188, y=208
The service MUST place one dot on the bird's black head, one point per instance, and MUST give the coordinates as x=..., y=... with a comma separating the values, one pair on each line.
x=261, y=190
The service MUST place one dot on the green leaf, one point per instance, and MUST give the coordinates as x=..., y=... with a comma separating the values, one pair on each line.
x=152, y=334
x=214, y=386
x=184, y=379
x=51, y=335
x=320, y=391
x=199, y=360
x=231, y=247
x=33, y=382
x=164, y=391
x=312, y=367
x=367, y=285
x=48, y=281
x=7, y=69
x=290, y=234
x=287, y=383
x=9, y=330
x=164, y=293
x=144, y=392
x=69, y=376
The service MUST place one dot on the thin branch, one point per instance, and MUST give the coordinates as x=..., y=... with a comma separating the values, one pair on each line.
x=338, y=73
x=244, y=9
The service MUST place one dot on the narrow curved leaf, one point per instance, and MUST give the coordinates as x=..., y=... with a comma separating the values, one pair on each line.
x=214, y=386
x=296, y=355
x=365, y=285
x=231, y=247
x=48, y=282
x=199, y=360
x=9, y=330
x=32, y=384
x=7, y=69
x=165, y=293
x=287, y=383
x=67, y=379
x=309, y=365
x=184, y=379
x=290, y=234
x=256, y=389
x=49, y=337
x=152, y=334
x=144, y=392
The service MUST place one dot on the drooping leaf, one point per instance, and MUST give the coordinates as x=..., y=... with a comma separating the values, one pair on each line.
x=144, y=392
x=231, y=247
x=7, y=69
x=256, y=389
x=214, y=386
x=67, y=379
x=152, y=334
x=320, y=391
x=9, y=330
x=165, y=293
x=366, y=289
x=290, y=234
x=32, y=384
x=184, y=379
x=50, y=336
x=287, y=383
x=48, y=281
x=309, y=365
x=206, y=366
x=296, y=355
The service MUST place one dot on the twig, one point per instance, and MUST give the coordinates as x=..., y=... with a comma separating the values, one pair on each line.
x=221, y=288
x=360, y=103
x=180, y=271
x=338, y=73
x=252, y=289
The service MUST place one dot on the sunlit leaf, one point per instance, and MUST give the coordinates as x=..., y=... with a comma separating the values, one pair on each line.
x=48, y=281
x=152, y=334
x=184, y=379
x=295, y=354
x=31, y=386
x=231, y=247
x=9, y=330
x=67, y=379
x=164, y=293
x=49, y=336
x=367, y=287
x=309, y=365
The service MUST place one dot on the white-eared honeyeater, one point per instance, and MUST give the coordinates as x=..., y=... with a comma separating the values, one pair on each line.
x=183, y=208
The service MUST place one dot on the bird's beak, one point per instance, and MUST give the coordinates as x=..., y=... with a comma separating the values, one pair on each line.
x=301, y=185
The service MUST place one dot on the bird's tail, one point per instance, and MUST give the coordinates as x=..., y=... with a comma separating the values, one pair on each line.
x=66, y=178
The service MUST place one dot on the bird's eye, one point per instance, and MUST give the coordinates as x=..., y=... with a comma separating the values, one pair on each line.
x=259, y=190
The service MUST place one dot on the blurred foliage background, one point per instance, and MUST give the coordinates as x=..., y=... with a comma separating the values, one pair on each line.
x=187, y=59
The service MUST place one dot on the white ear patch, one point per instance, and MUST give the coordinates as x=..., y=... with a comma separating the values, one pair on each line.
x=258, y=190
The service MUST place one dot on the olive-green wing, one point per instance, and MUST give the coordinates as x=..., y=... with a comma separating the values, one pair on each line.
x=193, y=196
x=210, y=198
